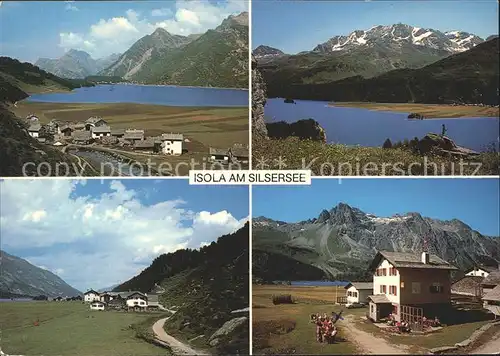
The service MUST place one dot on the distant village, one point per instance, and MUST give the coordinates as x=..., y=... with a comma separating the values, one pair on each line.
x=411, y=293
x=95, y=130
x=130, y=301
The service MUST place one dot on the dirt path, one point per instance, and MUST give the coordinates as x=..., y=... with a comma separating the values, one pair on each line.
x=367, y=342
x=178, y=347
x=491, y=347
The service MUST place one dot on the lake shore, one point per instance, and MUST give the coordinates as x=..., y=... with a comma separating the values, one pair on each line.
x=174, y=86
x=429, y=111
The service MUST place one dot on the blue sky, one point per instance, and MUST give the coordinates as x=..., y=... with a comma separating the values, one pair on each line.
x=295, y=26
x=34, y=29
x=74, y=228
x=474, y=201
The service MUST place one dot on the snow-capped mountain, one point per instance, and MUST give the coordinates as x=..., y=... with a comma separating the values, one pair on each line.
x=267, y=52
x=400, y=35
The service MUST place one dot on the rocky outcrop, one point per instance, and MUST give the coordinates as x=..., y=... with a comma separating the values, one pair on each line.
x=227, y=329
x=307, y=129
x=259, y=130
x=442, y=145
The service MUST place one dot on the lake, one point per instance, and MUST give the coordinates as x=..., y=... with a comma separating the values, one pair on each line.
x=353, y=126
x=149, y=94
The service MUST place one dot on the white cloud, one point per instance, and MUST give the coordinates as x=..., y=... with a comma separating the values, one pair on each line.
x=81, y=236
x=163, y=12
x=117, y=34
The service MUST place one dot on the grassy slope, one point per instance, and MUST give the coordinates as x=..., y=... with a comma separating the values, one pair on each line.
x=339, y=159
x=71, y=328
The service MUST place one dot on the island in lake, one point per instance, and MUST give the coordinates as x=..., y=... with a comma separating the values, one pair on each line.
x=162, y=107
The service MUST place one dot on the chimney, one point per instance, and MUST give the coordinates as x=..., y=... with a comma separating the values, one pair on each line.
x=425, y=257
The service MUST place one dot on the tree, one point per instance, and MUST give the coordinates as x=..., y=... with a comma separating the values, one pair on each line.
x=387, y=144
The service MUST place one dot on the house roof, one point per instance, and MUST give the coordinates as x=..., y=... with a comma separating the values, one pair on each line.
x=493, y=279
x=125, y=294
x=410, y=260
x=468, y=285
x=35, y=127
x=93, y=120
x=218, y=151
x=493, y=295
x=172, y=136
x=101, y=129
x=66, y=127
x=379, y=299
x=131, y=294
x=91, y=291
x=117, y=131
x=484, y=268
x=239, y=151
x=133, y=134
x=144, y=144
x=81, y=135
x=41, y=139
x=79, y=126
x=360, y=285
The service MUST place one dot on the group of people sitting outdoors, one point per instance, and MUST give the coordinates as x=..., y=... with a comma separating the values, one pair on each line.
x=404, y=326
x=325, y=327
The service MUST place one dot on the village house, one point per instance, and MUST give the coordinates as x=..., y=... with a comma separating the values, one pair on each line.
x=239, y=154
x=148, y=145
x=81, y=137
x=358, y=292
x=481, y=271
x=490, y=282
x=468, y=286
x=93, y=122
x=137, y=301
x=409, y=286
x=90, y=296
x=219, y=155
x=66, y=130
x=100, y=131
x=79, y=126
x=34, y=129
x=491, y=301
x=172, y=143
x=132, y=135
x=97, y=305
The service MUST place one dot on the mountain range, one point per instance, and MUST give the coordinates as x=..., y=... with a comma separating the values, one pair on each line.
x=21, y=278
x=216, y=58
x=340, y=243
x=464, y=77
x=75, y=64
x=365, y=53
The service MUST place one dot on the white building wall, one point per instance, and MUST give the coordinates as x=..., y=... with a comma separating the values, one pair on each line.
x=33, y=134
x=133, y=302
x=478, y=273
x=350, y=298
x=387, y=281
x=91, y=297
x=171, y=147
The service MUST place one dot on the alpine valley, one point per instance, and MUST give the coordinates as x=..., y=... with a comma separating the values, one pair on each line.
x=341, y=242
x=216, y=58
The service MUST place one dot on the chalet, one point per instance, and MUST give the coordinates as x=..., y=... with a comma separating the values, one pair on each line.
x=468, y=286
x=172, y=143
x=490, y=282
x=93, y=122
x=105, y=297
x=90, y=296
x=34, y=129
x=491, y=301
x=67, y=130
x=409, y=286
x=100, y=131
x=97, y=305
x=481, y=271
x=81, y=137
x=147, y=145
x=132, y=135
x=137, y=301
x=239, y=154
x=358, y=292
x=119, y=133
x=219, y=155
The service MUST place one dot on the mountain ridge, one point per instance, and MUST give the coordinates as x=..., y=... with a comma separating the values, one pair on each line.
x=344, y=239
x=19, y=277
